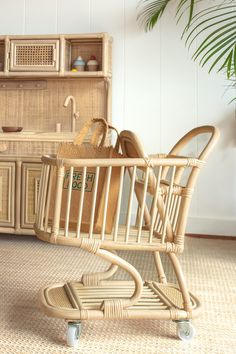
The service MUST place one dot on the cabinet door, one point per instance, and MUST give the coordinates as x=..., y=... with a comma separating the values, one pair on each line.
x=30, y=187
x=7, y=194
x=34, y=55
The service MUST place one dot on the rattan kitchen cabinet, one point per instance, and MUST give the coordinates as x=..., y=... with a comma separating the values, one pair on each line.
x=36, y=78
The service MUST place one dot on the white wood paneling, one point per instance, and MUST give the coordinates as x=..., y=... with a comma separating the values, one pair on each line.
x=108, y=16
x=142, y=80
x=73, y=16
x=40, y=16
x=12, y=15
x=215, y=200
x=178, y=84
x=214, y=108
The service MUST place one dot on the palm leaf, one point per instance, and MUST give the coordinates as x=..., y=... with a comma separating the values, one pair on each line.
x=183, y=6
x=222, y=53
x=205, y=44
x=228, y=62
x=196, y=24
x=214, y=28
x=150, y=12
x=217, y=45
x=217, y=48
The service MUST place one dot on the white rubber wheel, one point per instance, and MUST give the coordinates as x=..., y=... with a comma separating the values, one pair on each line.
x=185, y=330
x=73, y=333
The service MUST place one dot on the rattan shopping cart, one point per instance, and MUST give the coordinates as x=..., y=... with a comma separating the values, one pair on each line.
x=152, y=205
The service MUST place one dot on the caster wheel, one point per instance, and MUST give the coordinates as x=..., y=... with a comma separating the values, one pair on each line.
x=73, y=333
x=185, y=330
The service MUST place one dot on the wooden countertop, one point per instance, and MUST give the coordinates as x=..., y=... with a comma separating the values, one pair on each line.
x=37, y=136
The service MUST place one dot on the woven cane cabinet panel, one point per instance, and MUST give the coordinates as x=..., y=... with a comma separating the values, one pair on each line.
x=34, y=55
x=30, y=189
x=7, y=193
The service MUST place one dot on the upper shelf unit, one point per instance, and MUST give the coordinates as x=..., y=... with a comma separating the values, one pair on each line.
x=54, y=55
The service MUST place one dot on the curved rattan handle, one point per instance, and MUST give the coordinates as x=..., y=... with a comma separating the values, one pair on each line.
x=103, y=130
x=117, y=144
x=203, y=155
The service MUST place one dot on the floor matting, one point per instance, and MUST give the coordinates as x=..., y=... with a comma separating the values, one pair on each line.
x=27, y=264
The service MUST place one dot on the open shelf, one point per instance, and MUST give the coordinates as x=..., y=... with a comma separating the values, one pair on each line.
x=84, y=74
x=84, y=47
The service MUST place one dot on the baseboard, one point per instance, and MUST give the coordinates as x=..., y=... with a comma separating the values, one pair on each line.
x=212, y=237
x=211, y=227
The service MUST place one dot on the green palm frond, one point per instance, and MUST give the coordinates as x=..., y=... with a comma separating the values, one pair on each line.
x=186, y=5
x=150, y=12
x=213, y=30
x=216, y=26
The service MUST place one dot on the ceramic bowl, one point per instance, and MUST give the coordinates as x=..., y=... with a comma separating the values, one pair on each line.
x=11, y=129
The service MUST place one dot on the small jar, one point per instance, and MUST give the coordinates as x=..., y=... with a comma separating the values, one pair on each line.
x=58, y=127
x=92, y=63
x=79, y=64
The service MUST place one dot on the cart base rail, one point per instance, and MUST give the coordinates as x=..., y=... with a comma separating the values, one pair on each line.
x=75, y=301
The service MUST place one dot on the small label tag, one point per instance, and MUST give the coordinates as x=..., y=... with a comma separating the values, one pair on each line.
x=77, y=181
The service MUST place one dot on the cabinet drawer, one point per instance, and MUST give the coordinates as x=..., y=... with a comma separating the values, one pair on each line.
x=30, y=187
x=34, y=55
x=7, y=194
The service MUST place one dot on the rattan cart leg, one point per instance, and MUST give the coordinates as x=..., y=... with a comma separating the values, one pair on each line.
x=159, y=267
x=117, y=306
x=93, y=279
x=182, y=283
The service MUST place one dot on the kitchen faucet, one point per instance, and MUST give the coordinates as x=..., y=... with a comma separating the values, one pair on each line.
x=75, y=115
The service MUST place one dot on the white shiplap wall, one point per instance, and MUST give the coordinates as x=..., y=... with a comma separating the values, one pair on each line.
x=157, y=90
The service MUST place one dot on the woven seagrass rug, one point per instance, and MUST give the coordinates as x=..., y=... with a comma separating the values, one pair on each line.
x=27, y=264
